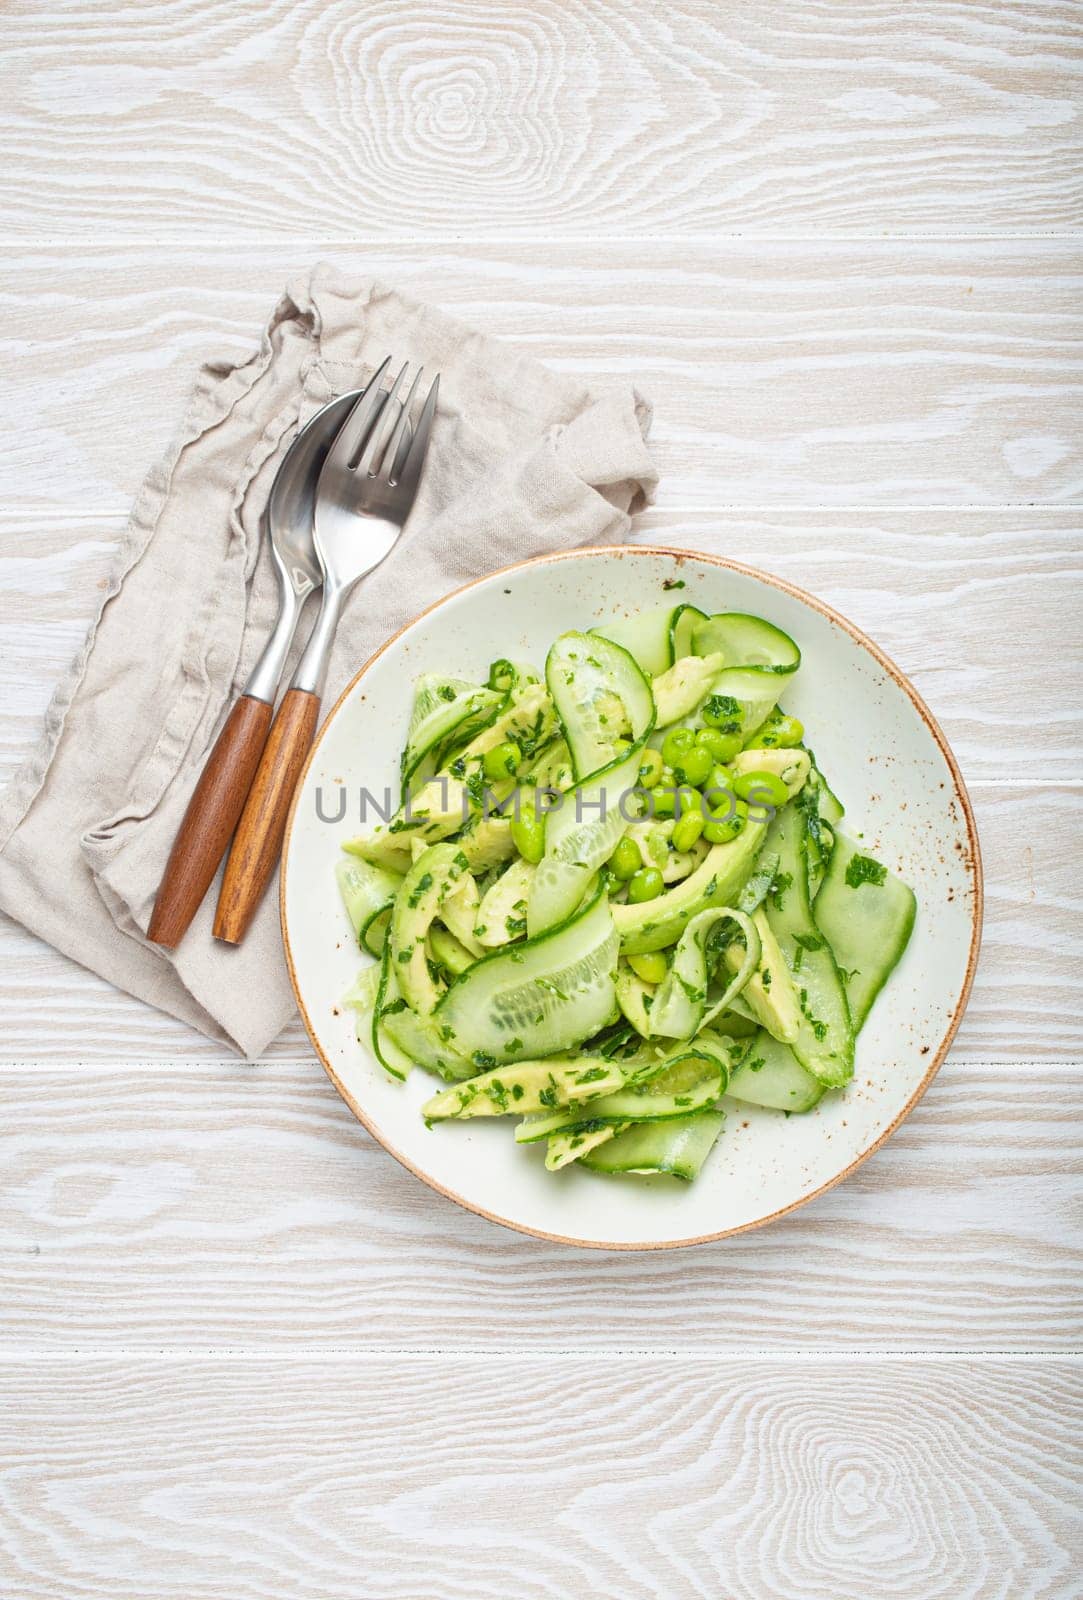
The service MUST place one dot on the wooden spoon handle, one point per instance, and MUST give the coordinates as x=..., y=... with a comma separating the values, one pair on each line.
x=209, y=820
x=258, y=840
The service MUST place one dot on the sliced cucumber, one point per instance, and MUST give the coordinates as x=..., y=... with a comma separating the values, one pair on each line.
x=368, y=892
x=580, y=836
x=646, y=635
x=824, y=1044
x=771, y=1075
x=682, y=1003
x=746, y=641
x=543, y=996
x=525, y=1087
x=507, y=676
x=866, y=920
x=601, y=696
x=718, y=880
x=391, y=1057
x=678, y=1147
x=421, y=1043
x=445, y=710
x=682, y=628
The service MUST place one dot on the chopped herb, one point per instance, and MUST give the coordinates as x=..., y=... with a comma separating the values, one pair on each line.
x=863, y=869
x=423, y=885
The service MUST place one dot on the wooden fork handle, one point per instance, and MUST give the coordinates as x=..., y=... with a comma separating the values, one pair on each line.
x=210, y=819
x=258, y=840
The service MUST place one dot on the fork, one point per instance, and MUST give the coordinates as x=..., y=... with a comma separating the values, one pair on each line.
x=366, y=490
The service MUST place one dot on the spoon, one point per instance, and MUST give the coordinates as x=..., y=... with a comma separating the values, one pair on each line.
x=220, y=794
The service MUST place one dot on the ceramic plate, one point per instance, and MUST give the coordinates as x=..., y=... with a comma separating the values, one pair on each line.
x=883, y=755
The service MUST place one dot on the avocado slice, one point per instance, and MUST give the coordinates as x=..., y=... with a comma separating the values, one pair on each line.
x=679, y=690
x=769, y=996
x=716, y=882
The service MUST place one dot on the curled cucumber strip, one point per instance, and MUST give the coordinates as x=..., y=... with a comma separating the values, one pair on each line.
x=606, y=709
x=681, y=1004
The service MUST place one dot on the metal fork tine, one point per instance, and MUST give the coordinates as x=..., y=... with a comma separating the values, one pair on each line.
x=394, y=444
x=369, y=458
x=415, y=459
x=354, y=430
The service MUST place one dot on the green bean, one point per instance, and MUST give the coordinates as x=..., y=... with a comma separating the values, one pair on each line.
x=646, y=885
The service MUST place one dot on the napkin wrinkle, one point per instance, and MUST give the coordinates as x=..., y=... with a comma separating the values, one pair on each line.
x=524, y=461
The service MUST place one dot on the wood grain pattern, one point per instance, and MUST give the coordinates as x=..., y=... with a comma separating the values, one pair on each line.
x=222, y=1205
x=788, y=225
x=205, y=831
x=482, y=119
x=546, y=1479
x=257, y=843
x=782, y=373
x=1026, y=1004
x=933, y=587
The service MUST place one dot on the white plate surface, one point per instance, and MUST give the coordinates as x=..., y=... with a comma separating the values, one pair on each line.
x=882, y=754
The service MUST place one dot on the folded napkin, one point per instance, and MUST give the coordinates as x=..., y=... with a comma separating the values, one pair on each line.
x=521, y=462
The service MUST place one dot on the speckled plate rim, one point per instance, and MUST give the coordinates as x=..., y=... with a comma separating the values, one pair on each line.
x=974, y=867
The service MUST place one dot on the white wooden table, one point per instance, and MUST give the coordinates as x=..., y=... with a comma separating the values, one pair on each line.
x=245, y=1354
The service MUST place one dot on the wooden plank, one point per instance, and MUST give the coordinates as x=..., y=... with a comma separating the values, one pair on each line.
x=364, y=120
x=549, y=1479
x=216, y=1205
x=933, y=588
x=783, y=373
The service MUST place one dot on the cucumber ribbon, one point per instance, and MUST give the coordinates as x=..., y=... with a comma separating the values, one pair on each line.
x=606, y=708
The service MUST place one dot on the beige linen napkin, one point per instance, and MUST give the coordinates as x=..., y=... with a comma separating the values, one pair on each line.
x=522, y=461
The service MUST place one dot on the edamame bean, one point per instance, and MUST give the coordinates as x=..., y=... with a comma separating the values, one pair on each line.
x=716, y=742
x=651, y=967
x=663, y=800
x=626, y=860
x=646, y=885
x=722, y=711
x=676, y=742
x=692, y=766
x=651, y=767
x=687, y=799
x=528, y=835
x=501, y=761
x=721, y=827
x=763, y=788
x=687, y=830
x=779, y=732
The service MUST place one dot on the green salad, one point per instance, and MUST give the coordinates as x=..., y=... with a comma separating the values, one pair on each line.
x=617, y=894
